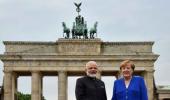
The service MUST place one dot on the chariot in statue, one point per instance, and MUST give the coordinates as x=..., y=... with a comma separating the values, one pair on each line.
x=79, y=29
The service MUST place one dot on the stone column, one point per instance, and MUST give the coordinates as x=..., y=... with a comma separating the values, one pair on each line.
x=99, y=74
x=36, y=91
x=118, y=75
x=14, y=86
x=62, y=85
x=7, y=85
x=149, y=82
x=41, y=86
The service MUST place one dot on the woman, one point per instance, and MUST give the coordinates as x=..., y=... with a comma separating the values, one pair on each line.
x=129, y=87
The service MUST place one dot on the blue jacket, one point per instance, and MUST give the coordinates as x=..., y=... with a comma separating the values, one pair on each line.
x=136, y=90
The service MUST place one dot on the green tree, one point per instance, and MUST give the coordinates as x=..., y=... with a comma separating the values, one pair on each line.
x=22, y=96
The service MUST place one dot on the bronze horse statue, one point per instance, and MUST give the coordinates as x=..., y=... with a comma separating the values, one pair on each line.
x=66, y=30
x=93, y=31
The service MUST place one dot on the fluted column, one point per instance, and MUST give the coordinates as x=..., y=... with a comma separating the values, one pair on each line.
x=7, y=85
x=149, y=82
x=41, y=86
x=99, y=74
x=118, y=75
x=36, y=91
x=62, y=85
x=14, y=86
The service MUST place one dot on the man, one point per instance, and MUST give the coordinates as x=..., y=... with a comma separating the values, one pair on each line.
x=89, y=87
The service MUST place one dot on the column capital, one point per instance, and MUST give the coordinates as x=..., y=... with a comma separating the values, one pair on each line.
x=99, y=70
x=35, y=71
x=62, y=71
x=150, y=71
x=7, y=71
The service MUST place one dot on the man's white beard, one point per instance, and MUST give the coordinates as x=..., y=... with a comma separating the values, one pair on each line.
x=91, y=75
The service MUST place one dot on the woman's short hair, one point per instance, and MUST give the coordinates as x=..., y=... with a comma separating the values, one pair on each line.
x=125, y=62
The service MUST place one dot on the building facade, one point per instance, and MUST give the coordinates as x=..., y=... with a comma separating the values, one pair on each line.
x=67, y=57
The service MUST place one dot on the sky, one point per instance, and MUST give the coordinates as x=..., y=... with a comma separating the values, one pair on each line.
x=118, y=20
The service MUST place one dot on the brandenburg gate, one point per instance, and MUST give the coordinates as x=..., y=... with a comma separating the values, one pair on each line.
x=67, y=57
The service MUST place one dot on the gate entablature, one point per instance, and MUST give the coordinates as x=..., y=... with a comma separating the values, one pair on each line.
x=79, y=47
